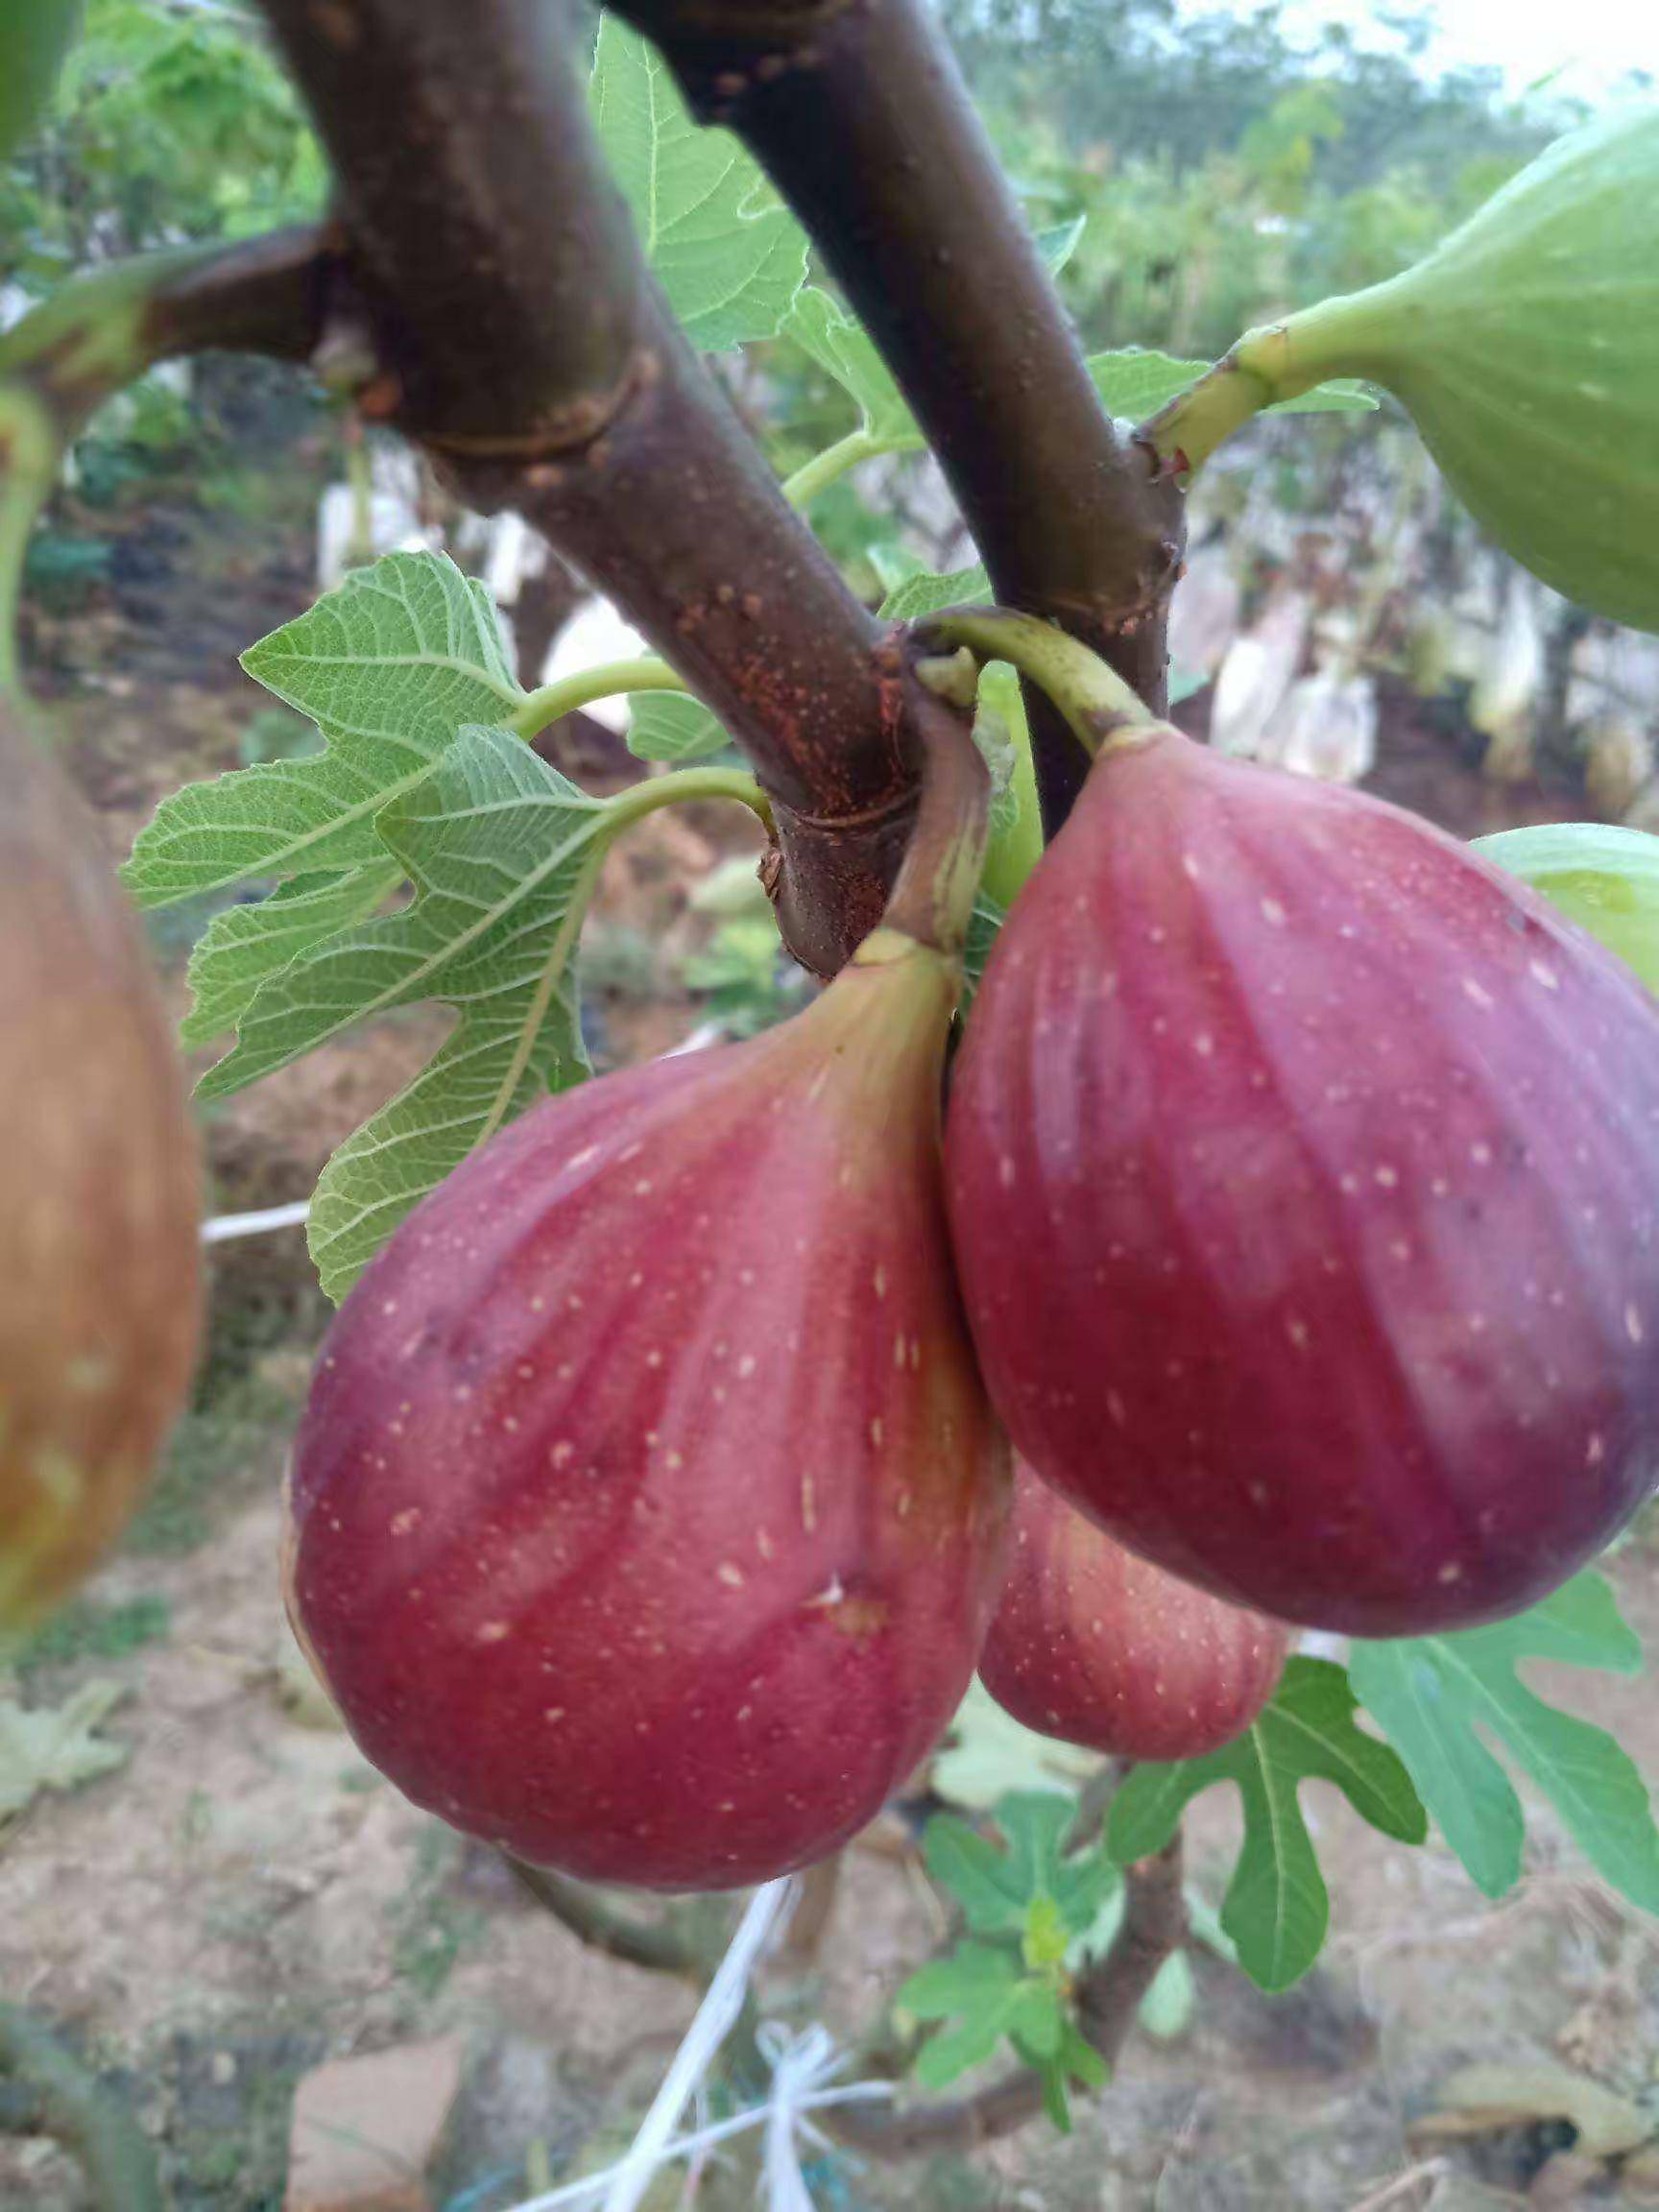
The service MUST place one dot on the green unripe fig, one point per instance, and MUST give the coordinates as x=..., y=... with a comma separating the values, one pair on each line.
x=35, y=37
x=1525, y=349
x=1604, y=879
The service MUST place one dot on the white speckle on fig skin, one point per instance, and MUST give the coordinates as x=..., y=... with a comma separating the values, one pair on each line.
x=713, y=1621
x=1470, y=1302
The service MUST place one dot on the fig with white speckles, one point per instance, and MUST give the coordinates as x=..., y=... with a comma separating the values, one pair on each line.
x=100, y=1291
x=648, y=1509
x=1098, y=1648
x=1303, y=1172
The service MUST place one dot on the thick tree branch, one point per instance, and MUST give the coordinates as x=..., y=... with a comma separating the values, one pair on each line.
x=1108, y=2000
x=857, y=111
x=528, y=347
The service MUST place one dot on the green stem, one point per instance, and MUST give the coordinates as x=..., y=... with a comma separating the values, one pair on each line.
x=682, y=785
x=1098, y=705
x=60, y=2097
x=1190, y=427
x=826, y=468
x=1347, y=335
x=30, y=453
x=607, y=681
x=1015, y=850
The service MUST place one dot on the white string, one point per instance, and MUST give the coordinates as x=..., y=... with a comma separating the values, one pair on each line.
x=224, y=1226
x=722, y=2001
x=573, y=2193
x=803, y=2067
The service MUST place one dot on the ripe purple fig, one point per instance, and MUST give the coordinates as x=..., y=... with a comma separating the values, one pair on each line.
x=648, y=1510
x=1303, y=1172
x=100, y=1296
x=1090, y=1644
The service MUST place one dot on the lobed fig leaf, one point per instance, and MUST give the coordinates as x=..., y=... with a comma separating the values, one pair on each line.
x=648, y=1511
x=101, y=1294
x=1438, y=1696
x=1101, y=1648
x=1525, y=348
x=1277, y=1908
x=1303, y=1180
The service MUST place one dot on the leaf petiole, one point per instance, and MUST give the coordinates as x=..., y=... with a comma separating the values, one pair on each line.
x=607, y=680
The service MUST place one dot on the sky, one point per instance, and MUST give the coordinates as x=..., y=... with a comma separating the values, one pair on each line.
x=1590, y=42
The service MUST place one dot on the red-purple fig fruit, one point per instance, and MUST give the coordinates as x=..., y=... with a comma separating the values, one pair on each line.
x=648, y=1510
x=1090, y=1644
x=100, y=1259
x=1303, y=1173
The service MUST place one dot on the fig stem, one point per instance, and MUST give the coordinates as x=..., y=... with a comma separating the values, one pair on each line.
x=1098, y=705
x=1188, y=429
x=682, y=785
x=829, y=467
x=29, y=457
x=1343, y=336
x=606, y=680
x=932, y=896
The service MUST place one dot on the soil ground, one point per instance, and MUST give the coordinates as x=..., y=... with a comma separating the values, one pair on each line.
x=244, y=1896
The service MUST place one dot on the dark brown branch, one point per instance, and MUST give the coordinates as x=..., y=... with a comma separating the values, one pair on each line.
x=1108, y=1999
x=528, y=347
x=100, y=332
x=52, y=2093
x=859, y=114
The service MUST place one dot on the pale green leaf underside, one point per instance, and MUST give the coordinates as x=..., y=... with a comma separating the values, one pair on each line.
x=1276, y=1909
x=389, y=667
x=1438, y=1696
x=840, y=345
x=502, y=849
x=244, y=945
x=729, y=254
x=925, y=594
x=672, y=726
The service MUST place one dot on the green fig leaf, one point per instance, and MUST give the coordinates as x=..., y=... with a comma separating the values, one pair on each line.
x=502, y=851
x=389, y=667
x=725, y=249
x=243, y=947
x=926, y=593
x=984, y=1987
x=672, y=726
x=840, y=345
x=56, y=1747
x=1002, y=1891
x=1277, y=1908
x=1440, y=1700
x=1604, y=879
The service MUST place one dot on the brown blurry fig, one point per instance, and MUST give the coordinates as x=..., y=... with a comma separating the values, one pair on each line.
x=100, y=1268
